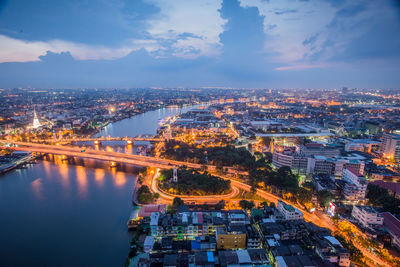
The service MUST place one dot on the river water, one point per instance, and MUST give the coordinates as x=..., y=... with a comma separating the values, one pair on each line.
x=59, y=213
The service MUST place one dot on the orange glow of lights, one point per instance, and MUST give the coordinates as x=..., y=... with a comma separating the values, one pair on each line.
x=99, y=176
x=120, y=179
x=82, y=181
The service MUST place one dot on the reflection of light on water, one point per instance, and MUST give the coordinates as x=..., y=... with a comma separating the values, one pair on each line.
x=120, y=179
x=63, y=167
x=99, y=176
x=46, y=166
x=37, y=188
x=82, y=181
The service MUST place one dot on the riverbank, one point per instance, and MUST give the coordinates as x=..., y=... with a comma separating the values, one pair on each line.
x=121, y=118
x=15, y=160
x=91, y=202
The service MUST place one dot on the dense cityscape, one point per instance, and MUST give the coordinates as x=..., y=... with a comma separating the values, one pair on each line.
x=199, y=133
x=244, y=177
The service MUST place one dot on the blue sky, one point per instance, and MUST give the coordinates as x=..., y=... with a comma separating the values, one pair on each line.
x=170, y=43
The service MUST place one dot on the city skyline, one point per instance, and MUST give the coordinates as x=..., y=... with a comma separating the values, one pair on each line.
x=298, y=44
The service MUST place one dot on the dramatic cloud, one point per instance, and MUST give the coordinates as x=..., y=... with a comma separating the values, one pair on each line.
x=192, y=27
x=13, y=50
x=123, y=43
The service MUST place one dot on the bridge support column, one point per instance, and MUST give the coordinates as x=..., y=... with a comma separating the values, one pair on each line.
x=97, y=142
x=129, y=142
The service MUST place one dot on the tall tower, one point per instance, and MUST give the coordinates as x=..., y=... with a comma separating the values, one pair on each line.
x=175, y=176
x=36, y=123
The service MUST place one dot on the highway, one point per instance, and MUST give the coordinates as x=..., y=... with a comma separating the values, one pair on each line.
x=103, y=138
x=104, y=155
x=316, y=218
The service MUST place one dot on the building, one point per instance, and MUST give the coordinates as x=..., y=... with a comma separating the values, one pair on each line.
x=330, y=249
x=289, y=212
x=393, y=225
x=390, y=147
x=392, y=188
x=367, y=216
x=230, y=240
x=312, y=149
x=299, y=164
x=356, y=185
x=362, y=145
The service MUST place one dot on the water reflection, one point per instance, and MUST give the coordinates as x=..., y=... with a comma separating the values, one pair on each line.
x=94, y=190
x=99, y=176
x=37, y=188
x=82, y=181
x=119, y=179
x=64, y=173
x=46, y=167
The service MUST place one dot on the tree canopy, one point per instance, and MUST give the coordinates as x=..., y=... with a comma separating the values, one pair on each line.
x=192, y=182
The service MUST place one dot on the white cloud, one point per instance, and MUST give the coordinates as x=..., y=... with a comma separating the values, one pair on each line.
x=15, y=50
x=286, y=31
x=199, y=20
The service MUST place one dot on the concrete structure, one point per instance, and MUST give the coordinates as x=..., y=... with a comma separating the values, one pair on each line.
x=362, y=145
x=175, y=175
x=313, y=149
x=148, y=244
x=230, y=240
x=390, y=147
x=356, y=185
x=393, y=225
x=367, y=216
x=289, y=212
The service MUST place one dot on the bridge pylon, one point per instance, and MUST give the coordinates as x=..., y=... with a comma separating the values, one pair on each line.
x=97, y=142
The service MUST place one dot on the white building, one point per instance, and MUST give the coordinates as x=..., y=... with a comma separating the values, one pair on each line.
x=356, y=185
x=366, y=216
x=289, y=212
x=148, y=244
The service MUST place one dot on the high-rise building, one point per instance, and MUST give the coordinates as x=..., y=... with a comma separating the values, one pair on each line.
x=390, y=147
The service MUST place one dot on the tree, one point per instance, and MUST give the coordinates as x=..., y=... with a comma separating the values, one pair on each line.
x=324, y=197
x=303, y=195
x=144, y=195
x=220, y=205
x=205, y=207
x=177, y=202
x=379, y=196
x=263, y=204
x=253, y=189
x=246, y=205
x=284, y=179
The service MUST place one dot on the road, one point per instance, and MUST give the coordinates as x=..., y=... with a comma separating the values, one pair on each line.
x=105, y=155
x=316, y=218
x=153, y=184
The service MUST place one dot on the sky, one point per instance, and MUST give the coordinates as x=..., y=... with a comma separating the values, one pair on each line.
x=200, y=43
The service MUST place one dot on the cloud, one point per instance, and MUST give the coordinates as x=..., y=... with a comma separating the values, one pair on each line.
x=284, y=41
x=285, y=11
x=200, y=19
x=14, y=50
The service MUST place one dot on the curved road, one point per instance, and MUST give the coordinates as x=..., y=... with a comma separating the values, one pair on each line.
x=316, y=218
x=200, y=199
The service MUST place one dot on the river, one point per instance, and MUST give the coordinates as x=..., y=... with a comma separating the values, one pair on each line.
x=58, y=213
